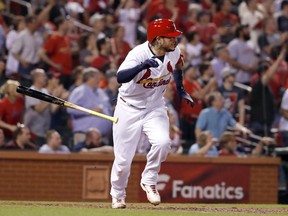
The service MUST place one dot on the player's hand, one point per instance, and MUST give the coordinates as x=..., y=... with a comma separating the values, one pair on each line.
x=182, y=94
x=148, y=63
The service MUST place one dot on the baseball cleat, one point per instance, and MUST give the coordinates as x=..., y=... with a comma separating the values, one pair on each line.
x=152, y=194
x=118, y=203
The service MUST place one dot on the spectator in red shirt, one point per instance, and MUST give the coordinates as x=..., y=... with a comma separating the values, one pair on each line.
x=206, y=30
x=226, y=21
x=208, y=5
x=164, y=9
x=262, y=112
x=11, y=108
x=120, y=47
x=278, y=82
x=152, y=9
x=191, y=17
x=104, y=61
x=57, y=52
x=189, y=115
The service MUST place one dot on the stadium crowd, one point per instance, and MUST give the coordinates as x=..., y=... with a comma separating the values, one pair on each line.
x=235, y=70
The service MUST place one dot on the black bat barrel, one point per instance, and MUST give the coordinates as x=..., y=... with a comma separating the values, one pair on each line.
x=40, y=95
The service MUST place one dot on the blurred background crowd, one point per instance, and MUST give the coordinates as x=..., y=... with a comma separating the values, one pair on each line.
x=235, y=70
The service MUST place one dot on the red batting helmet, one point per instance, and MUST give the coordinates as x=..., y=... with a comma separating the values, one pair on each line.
x=162, y=27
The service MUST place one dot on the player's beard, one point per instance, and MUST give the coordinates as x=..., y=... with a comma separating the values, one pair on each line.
x=168, y=48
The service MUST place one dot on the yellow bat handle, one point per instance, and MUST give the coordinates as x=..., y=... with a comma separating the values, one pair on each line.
x=74, y=106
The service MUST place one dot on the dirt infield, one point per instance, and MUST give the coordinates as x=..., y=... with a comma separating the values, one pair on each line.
x=164, y=207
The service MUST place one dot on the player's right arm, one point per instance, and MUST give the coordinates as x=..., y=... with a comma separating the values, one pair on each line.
x=126, y=75
x=178, y=78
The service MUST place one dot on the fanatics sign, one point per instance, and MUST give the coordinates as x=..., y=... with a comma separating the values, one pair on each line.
x=203, y=183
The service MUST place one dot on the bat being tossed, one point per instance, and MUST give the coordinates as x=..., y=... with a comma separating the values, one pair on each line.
x=55, y=100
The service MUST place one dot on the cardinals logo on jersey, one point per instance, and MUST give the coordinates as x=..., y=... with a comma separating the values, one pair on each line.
x=169, y=67
x=149, y=82
x=145, y=77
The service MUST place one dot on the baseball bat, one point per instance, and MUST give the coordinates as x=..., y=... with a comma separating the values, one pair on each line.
x=55, y=100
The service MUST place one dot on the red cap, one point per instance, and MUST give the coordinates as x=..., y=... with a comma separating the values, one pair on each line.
x=53, y=75
x=162, y=27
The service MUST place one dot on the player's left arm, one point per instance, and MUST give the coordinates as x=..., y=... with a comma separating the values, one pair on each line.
x=178, y=78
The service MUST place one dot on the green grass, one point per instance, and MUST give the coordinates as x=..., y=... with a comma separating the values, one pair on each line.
x=29, y=208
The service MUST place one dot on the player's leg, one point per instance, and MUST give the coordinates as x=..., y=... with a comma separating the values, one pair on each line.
x=143, y=145
x=156, y=127
x=126, y=134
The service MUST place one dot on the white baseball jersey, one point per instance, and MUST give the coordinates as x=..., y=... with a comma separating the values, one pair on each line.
x=147, y=88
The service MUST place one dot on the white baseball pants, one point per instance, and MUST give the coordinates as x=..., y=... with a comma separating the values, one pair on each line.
x=127, y=132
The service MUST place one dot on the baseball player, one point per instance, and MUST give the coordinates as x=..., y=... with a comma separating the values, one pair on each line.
x=144, y=75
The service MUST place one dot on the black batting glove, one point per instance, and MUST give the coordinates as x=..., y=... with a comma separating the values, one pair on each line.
x=148, y=63
x=127, y=75
x=182, y=94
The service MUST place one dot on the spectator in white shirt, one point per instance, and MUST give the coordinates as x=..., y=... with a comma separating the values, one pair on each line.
x=12, y=63
x=242, y=55
x=252, y=14
x=194, y=48
x=25, y=49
